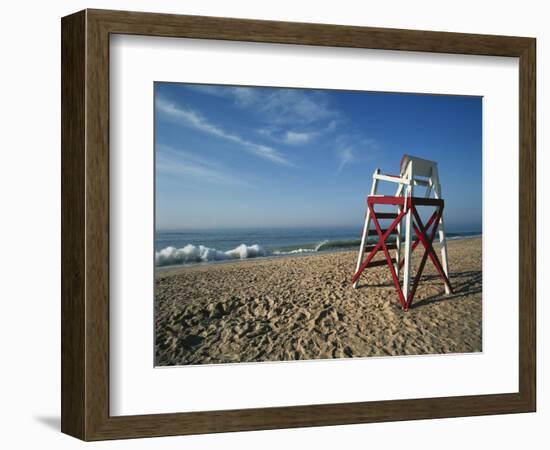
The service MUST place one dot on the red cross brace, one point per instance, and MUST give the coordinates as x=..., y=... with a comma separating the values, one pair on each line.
x=425, y=234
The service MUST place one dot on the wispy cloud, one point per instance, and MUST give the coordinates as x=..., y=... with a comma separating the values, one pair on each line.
x=282, y=134
x=280, y=105
x=193, y=119
x=183, y=163
x=295, y=116
x=296, y=106
x=297, y=138
x=352, y=149
x=331, y=126
x=346, y=156
x=242, y=96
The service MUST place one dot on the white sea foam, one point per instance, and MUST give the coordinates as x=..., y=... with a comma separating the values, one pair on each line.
x=295, y=251
x=302, y=250
x=190, y=254
x=195, y=254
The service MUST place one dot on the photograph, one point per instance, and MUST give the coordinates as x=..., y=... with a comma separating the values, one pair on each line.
x=296, y=224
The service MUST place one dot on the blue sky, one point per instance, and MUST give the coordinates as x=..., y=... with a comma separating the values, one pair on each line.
x=232, y=157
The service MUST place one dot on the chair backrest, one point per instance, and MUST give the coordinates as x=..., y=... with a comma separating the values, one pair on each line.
x=420, y=167
x=414, y=171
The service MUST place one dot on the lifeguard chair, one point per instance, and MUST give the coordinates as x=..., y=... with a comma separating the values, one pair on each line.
x=414, y=172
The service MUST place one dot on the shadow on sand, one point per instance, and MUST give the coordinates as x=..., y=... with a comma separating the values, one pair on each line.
x=464, y=284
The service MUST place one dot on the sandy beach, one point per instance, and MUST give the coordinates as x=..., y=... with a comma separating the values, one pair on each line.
x=298, y=308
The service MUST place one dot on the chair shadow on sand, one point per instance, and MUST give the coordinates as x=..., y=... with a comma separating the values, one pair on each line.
x=464, y=284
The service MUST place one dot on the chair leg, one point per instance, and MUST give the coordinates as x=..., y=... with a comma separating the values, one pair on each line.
x=407, y=257
x=444, y=260
x=364, y=238
x=398, y=247
x=442, y=237
x=365, y=235
x=409, y=193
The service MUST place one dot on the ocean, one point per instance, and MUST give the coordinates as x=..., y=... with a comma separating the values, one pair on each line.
x=207, y=246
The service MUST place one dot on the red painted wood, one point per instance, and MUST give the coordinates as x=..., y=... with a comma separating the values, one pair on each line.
x=377, y=246
x=427, y=250
x=394, y=276
x=417, y=241
x=429, y=247
x=425, y=234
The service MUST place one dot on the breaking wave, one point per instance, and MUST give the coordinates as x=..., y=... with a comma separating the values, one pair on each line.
x=192, y=254
x=307, y=249
x=170, y=256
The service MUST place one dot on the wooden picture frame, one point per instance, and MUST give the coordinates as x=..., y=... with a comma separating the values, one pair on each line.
x=85, y=224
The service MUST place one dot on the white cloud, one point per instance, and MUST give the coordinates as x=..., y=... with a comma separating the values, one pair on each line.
x=188, y=117
x=296, y=106
x=242, y=95
x=281, y=105
x=296, y=138
x=355, y=149
x=331, y=126
x=346, y=156
x=293, y=137
x=182, y=163
x=267, y=132
x=195, y=120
